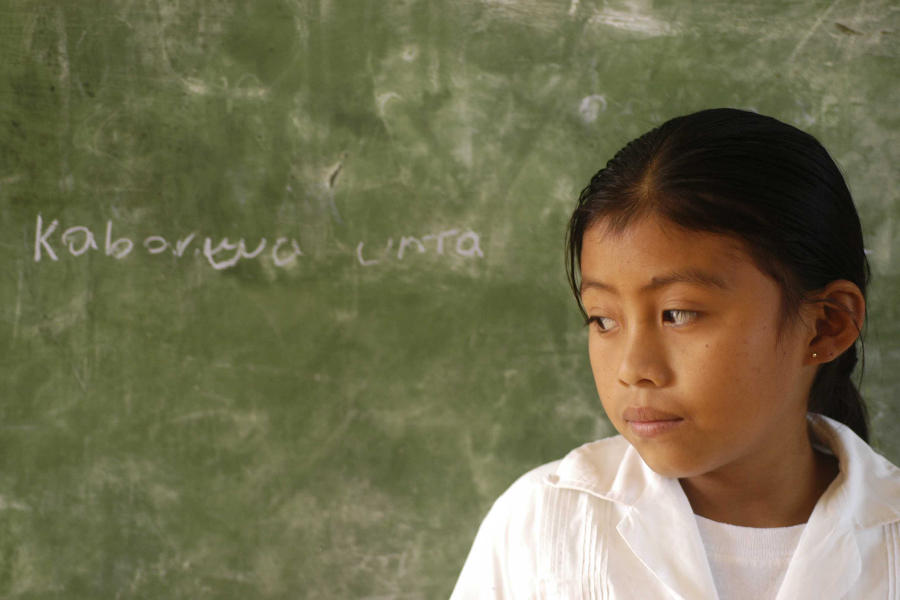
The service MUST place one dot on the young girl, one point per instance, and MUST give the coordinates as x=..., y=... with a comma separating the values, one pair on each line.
x=719, y=262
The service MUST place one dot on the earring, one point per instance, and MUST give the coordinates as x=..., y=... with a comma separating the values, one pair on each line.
x=814, y=355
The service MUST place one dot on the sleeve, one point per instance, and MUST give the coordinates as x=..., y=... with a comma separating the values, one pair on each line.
x=485, y=575
x=503, y=561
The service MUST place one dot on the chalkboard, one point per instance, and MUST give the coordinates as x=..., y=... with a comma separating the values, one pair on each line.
x=283, y=306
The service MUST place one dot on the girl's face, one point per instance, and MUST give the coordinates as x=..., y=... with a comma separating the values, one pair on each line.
x=686, y=350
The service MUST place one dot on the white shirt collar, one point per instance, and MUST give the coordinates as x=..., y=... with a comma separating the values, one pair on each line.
x=867, y=489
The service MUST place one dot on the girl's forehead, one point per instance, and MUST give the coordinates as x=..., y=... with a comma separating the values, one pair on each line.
x=651, y=249
x=653, y=234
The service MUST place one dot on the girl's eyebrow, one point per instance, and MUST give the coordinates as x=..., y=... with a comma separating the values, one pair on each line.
x=690, y=276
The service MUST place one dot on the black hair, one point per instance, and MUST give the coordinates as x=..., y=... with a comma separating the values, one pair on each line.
x=760, y=181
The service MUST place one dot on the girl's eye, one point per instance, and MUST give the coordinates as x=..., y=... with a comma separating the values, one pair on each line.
x=679, y=317
x=601, y=323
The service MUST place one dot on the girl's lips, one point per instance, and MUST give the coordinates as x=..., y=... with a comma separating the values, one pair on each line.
x=649, y=422
x=645, y=413
x=653, y=428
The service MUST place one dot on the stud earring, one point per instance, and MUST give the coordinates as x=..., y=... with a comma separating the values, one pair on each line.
x=814, y=355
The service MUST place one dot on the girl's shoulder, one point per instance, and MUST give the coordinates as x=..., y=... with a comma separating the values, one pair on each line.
x=592, y=467
x=533, y=540
x=867, y=488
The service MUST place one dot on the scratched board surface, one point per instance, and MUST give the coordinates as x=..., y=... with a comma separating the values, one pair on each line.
x=282, y=303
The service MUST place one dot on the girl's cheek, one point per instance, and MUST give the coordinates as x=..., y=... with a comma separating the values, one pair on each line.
x=604, y=365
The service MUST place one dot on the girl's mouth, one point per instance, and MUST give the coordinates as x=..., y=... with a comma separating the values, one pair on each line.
x=650, y=422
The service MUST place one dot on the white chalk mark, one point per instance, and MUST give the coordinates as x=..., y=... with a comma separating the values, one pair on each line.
x=94, y=145
x=182, y=244
x=210, y=253
x=633, y=21
x=382, y=99
x=591, y=107
x=822, y=16
x=410, y=53
x=279, y=259
x=28, y=31
x=242, y=249
x=440, y=238
x=156, y=244
x=468, y=245
x=333, y=171
x=120, y=248
x=17, y=312
x=69, y=238
x=62, y=49
x=40, y=239
x=573, y=7
x=474, y=249
x=198, y=87
x=407, y=241
x=79, y=377
x=359, y=255
x=195, y=86
x=250, y=91
x=12, y=505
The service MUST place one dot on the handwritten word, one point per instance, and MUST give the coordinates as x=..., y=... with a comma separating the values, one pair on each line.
x=466, y=244
x=220, y=255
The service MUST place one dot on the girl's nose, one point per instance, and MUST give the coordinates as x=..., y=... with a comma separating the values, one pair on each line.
x=643, y=362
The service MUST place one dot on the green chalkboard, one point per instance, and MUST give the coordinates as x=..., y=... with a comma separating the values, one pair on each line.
x=282, y=306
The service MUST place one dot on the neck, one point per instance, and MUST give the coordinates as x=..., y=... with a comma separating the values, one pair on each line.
x=778, y=489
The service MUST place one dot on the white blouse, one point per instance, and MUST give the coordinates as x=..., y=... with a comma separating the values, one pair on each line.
x=601, y=524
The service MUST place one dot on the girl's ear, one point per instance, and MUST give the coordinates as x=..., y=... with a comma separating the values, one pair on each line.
x=839, y=310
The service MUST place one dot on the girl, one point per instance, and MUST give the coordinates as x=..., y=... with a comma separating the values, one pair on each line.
x=719, y=262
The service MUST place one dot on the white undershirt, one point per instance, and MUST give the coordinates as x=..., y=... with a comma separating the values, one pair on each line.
x=748, y=562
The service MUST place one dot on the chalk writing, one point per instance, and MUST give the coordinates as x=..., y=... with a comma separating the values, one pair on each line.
x=223, y=253
x=219, y=253
x=468, y=244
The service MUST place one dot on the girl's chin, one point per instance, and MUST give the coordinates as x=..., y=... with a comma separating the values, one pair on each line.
x=669, y=465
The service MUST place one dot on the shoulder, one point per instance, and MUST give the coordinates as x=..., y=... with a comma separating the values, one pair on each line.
x=868, y=486
x=593, y=465
x=556, y=488
x=540, y=532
